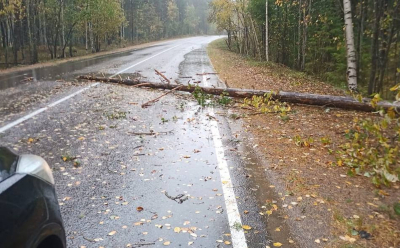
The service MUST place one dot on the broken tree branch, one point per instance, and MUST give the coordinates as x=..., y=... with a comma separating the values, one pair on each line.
x=206, y=73
x=344, y=102
x=158, y=98
x=159, y=73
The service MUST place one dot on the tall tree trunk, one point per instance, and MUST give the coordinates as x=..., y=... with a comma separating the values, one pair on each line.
x=386, y=45
x=299, y=38
x=351, y=51
x=5, y=42
x=28, y=17
x=374, y=48
x=363, y=13
x=86, y=36
x=62, y=29
x=91, y=37
x=266, y=32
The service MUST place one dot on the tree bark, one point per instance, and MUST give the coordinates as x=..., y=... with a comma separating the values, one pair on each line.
x=343, y=102
x=351, y=51
x=299, y=38
x=374, y=48
x=266, y=32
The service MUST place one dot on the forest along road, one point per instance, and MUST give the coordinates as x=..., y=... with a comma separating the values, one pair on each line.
x=163, y=175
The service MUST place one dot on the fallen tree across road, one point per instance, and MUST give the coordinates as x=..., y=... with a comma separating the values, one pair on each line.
x=290, y=97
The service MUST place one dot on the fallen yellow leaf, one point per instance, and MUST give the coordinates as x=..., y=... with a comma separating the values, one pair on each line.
x=167, y=243
x=112, y=233
x=227, y=242
x=246, y=227
x=277, y=244
x=177, y=229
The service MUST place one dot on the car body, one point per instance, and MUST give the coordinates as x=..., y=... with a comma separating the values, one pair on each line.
x=29, y=211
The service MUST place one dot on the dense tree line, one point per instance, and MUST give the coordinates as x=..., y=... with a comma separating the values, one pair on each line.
x=309, y=35
x=34, y=29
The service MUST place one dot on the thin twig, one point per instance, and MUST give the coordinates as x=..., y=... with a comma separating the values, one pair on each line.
x=158, y=98
x=206, y=73
x=140, y=85
x=143, y=244
x=90, y=240
x=151, y=133
x=159, y=73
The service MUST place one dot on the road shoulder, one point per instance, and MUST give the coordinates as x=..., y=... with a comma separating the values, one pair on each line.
x=324, y=206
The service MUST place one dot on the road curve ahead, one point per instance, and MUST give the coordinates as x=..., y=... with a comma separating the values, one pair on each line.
x=166, y=175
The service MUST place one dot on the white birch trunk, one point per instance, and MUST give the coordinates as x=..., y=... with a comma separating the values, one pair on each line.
x=351, y=51
x=266, y=32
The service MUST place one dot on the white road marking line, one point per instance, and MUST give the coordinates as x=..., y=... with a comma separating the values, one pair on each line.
x=34, y=113
x=232, y=210
x=138, y=63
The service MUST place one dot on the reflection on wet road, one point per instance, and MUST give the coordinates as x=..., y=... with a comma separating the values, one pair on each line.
x=160, y=176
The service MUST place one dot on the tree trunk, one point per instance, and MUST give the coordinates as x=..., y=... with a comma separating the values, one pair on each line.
x=62, y=30
x=351, y=51
x=291, y=97
x=91, y=38
x=266, y=32
x=28, y=17
x=299, y=38
x=374, y=48
x=363, y=13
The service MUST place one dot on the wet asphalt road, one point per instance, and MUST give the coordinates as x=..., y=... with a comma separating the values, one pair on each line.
x=132, y=158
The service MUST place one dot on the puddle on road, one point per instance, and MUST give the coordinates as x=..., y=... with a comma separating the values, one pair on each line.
x=267, y=197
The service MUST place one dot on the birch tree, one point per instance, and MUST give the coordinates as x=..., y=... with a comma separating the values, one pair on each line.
x=351, y=51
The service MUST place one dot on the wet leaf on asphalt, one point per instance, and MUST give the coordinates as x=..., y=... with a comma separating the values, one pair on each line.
x=246, y=227
x=139, y=209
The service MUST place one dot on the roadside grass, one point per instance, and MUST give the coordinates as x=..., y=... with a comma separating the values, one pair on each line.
x=300, y=150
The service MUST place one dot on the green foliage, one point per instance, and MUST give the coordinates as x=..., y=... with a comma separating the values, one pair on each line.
x=116, y=115
x=373, y=147
x=201, y=97
x=266, y=104
x=224, y=99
